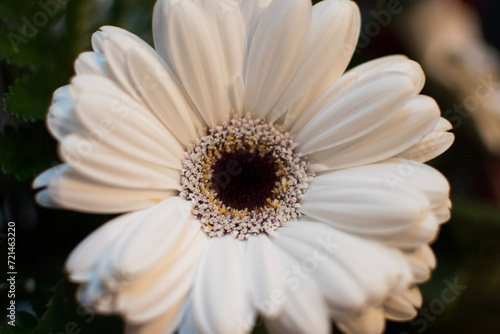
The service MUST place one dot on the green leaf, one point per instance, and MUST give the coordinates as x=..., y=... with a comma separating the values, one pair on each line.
x=28, y=37
x=27, y=151
x=18, y=50
x=29, y=98
x=64, y=315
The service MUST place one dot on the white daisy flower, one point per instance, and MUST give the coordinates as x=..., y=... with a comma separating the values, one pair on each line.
x=255, y=178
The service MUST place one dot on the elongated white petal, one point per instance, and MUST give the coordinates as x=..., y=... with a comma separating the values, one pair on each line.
x=76, y=192
x=422, y=262
x=251, y=11
x=371, y=321
x=417, y=118
x=330, y=21
x=161, y=93
x=164, y=323
x=432, y=145
x=422, y=233
x=229, y=25
x=392, y=202
x=157, y=232
x=100, y=36
x=188, y=324
x=197, y=57
x=378, y=67
x=360, y=201
x=93, y=63
x=221, y=303
x=402, y=307
x=398, y=63
x=107, y=166
x=264, y=271
x=169, y=280
x=275, y=53
x=61, y=119
x=353, y=273
x=84, y=258
x=44, y=179
x=361, y=108
x=334, y=33
x=305, y=311
x=113, y=118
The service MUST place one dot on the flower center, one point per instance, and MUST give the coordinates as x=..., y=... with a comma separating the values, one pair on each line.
x=244, y=178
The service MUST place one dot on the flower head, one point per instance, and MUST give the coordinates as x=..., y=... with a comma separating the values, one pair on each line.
x=255, y=177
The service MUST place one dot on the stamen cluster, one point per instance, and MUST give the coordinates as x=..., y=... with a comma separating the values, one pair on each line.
x=205, y=180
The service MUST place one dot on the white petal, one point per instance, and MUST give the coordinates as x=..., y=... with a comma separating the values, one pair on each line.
x=422, y=233
x=44, y=179
x=114, y=43
x=220, y=300
x=158, y=90
x=62, y=93
x=294, y=123
x=414, y=297
x=432, y=145
x=61, y=119
x=196, y=54
x=146, y=78
x=75, y=192
x=371, y=321
x=114, y=283
x=93, y=63
x=422, y=262
x=359, y=200
x=103, y=33
x=402, y=308
x=115, y=120
x=381, y=67
x=84, y=258
x=397, y=63
x=401, y=173
x=442, y=212
x=90, y=296
x=104, y=165
x=188, y=324
x=334, y=33
x=275, y=53
x=264, y=271
x=168, y=281
x=404, y=181
x=353, y=273
x=165, y=323
x=251, y=12
x=402, y=131
x=230, y=26
x=43, y=199
x=152, y=237
x=358, y=110
x=99, y=38
x=305, y=311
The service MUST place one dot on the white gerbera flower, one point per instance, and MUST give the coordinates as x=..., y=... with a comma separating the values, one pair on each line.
x=254, y=178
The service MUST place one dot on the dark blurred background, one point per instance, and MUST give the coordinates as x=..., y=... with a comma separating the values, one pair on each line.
x=463, y=295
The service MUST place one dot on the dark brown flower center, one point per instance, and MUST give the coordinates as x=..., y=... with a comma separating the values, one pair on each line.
x=244, y=179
